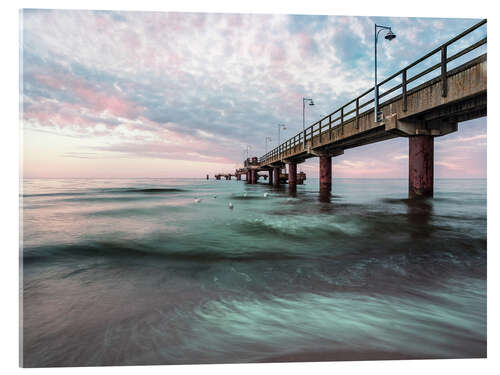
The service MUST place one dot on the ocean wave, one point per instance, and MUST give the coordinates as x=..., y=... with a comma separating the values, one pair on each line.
x=300, y=226
x=431, y=326
x=107, y=191
x=121, y=250
x=151, y=190
x=53, y=194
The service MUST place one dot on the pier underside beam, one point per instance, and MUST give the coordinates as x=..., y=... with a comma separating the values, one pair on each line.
x=421, y=167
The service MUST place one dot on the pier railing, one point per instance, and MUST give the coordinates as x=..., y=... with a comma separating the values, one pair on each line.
x=364, y=103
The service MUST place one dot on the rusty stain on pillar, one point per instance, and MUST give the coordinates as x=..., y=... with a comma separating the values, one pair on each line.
x=292, y=174
x=325, y=173
x=270, y=177
x=421, y=166
x=276, y=176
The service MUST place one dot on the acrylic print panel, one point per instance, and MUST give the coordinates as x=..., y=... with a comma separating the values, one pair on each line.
x=216, y=188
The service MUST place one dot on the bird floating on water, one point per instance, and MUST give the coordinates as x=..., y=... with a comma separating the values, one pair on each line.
x=245, y=194
x=215, y=196
x=230, y=206
x=197, y=200
x=265, y=195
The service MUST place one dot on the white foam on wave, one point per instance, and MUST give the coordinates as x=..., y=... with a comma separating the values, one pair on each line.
x=305, y=224
x=345, y=322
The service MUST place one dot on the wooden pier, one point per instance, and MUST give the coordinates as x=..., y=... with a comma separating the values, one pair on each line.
x=430, y=109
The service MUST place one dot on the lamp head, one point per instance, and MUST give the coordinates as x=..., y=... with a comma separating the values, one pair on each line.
x=390, y=35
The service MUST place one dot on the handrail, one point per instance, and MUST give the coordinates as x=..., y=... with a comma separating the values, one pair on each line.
x=319, y=127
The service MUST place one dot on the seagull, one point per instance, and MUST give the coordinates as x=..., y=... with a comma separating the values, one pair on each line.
x=197, y=200
x=265, y=195
x=215, y=196
x=230, y=206
x=245, y=194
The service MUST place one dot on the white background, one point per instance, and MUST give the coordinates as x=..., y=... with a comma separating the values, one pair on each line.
x=9, y=175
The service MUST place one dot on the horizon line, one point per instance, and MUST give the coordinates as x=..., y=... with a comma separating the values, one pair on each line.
x=204, y=178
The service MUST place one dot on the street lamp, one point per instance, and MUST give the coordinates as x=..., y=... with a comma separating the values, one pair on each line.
x=389, y=36
x=268, y=139
x=279, y=128
x=304, y=100
x=247, y=151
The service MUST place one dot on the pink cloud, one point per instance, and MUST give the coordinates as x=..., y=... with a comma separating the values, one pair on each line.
x=49, y=81
x=305, y=43
x=131, y=40
x=103, y=102
x=278, y=54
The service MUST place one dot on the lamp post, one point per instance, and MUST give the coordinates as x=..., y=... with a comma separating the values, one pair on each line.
x=389, y=36
x=247, y=150
x=304, y=100
x=268, y=139
x=279, y=135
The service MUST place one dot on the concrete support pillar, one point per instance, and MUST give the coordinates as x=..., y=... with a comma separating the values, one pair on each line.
x=292, y=174
x=325, y=173
x=421, y=166
x=238, y=177
x=248, y=177
x=270, y=177
x=276, y=176
x=228, y=176
x=254, y=176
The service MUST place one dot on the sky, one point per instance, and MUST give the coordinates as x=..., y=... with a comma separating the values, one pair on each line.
x=111, y=94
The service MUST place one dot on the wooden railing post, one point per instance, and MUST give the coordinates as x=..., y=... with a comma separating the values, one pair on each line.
x=405, y=99
x=342, y=119
x=357, y=113
x=330, y=127
x=444, y=88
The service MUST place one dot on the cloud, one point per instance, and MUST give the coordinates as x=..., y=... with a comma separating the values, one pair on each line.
x=191, y=85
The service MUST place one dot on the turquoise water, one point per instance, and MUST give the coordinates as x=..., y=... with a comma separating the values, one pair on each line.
x=124, y=272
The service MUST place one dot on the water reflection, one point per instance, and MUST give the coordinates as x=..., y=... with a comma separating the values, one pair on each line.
x=325, y=196
x=419, y=216
x=279, y=188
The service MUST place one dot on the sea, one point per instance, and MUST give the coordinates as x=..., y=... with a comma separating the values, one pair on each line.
x=163, y=271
